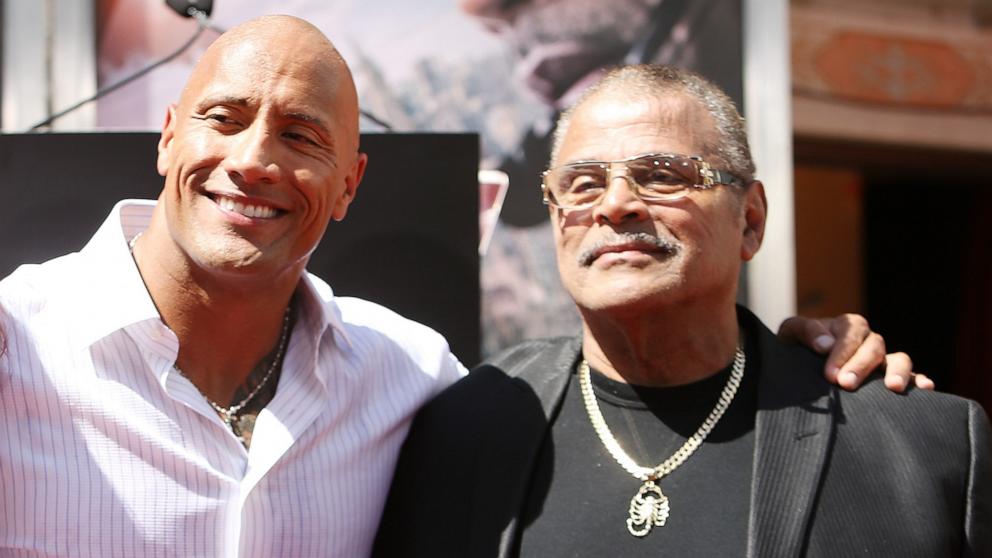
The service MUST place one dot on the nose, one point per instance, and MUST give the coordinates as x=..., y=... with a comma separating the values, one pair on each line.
x=251, y=158
x=620, y=203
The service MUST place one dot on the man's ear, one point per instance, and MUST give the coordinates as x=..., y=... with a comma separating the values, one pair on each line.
x=165, y=140
x=351, y=182
x=755, y=213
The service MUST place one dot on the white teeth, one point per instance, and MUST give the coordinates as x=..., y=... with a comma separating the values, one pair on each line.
x=227, y=204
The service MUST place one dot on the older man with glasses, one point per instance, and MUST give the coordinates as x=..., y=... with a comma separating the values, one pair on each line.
x=675, y=423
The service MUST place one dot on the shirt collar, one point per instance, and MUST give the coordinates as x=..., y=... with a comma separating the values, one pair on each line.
x=111, y=294
x=318, y=308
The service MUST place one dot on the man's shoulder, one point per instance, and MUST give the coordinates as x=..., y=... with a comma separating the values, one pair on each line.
x=800, y=371
x=31, y=287
x=87, y=266
x=794, y=374
x=535, y=352
x=508, y=395
x=915, y=408
x=937, y=443
x=360, y=315
x=529, y=373
x=521, y=367
x=376, y=332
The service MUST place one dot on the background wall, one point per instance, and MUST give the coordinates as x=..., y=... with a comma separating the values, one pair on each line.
x=892, y=106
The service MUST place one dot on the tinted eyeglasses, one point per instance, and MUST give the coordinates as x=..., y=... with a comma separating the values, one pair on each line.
x=654, y=177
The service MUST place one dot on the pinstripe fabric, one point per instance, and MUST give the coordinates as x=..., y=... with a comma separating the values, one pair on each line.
x=917, y=483
x=106, y=451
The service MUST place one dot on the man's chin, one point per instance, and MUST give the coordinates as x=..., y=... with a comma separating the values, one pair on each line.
x=628, y=296
x=240, y=258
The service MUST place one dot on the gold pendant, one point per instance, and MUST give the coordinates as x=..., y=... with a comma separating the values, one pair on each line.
x=244, y=427
x=648, y=508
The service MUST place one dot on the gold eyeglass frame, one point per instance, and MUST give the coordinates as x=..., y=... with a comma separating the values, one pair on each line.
x=709, y=176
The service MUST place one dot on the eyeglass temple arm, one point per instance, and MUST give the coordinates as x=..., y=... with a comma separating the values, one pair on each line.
x=713, y=176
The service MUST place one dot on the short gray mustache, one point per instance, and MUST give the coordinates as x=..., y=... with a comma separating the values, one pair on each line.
x=667, y=245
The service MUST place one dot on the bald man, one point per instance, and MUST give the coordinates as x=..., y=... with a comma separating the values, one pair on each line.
x=141, y=415
x=182, y=386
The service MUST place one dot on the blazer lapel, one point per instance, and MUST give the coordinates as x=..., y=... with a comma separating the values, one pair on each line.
x=548, y=375
x=793, y=434
x=514, y=445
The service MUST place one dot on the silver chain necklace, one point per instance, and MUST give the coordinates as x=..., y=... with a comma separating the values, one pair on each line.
x=650, y=507
x=229, y=414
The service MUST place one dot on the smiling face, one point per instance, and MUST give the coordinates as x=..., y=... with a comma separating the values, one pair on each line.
x=625, y=255
x=261, y=150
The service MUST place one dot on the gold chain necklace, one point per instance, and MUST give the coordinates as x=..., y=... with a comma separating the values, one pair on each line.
x=650, y=507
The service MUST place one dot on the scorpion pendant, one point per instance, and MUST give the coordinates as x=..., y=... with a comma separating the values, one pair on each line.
x=648, y=508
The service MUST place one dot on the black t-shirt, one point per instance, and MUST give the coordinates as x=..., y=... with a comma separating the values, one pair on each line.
x=579, y=500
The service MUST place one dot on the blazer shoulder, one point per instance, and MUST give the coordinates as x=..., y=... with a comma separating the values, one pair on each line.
x=536, y=352
x=939, y=428
x=530, y=375
x=927, y=406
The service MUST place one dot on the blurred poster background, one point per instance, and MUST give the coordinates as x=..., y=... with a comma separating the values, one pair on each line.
x=502, y=68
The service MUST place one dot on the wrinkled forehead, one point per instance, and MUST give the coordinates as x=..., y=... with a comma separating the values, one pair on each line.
x=262, y=64
x=617, y=126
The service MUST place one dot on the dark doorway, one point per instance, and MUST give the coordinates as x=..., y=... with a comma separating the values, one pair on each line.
x=926, y=254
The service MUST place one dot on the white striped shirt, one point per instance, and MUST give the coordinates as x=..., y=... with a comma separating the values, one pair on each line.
x=105, y=450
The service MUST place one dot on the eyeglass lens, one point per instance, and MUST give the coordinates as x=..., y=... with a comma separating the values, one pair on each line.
x=655, y=177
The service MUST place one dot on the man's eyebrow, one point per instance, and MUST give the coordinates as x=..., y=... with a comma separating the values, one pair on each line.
x=222, y=100
x=309, y=119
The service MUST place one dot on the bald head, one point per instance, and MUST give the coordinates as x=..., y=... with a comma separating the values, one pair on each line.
x=279, y=45
x=278, y=27
x=260, y=152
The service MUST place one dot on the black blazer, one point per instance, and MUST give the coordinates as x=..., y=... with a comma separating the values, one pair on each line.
x=868, y=473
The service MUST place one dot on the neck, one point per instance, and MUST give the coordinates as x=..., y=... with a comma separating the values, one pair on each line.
x=224, y=330
x=663, y=347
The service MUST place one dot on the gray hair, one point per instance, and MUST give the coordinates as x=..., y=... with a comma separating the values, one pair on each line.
x=658, y=80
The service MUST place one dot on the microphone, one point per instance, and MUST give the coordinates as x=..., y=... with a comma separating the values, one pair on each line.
x=189, y=8
x=196, y=9
x=200, y=11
